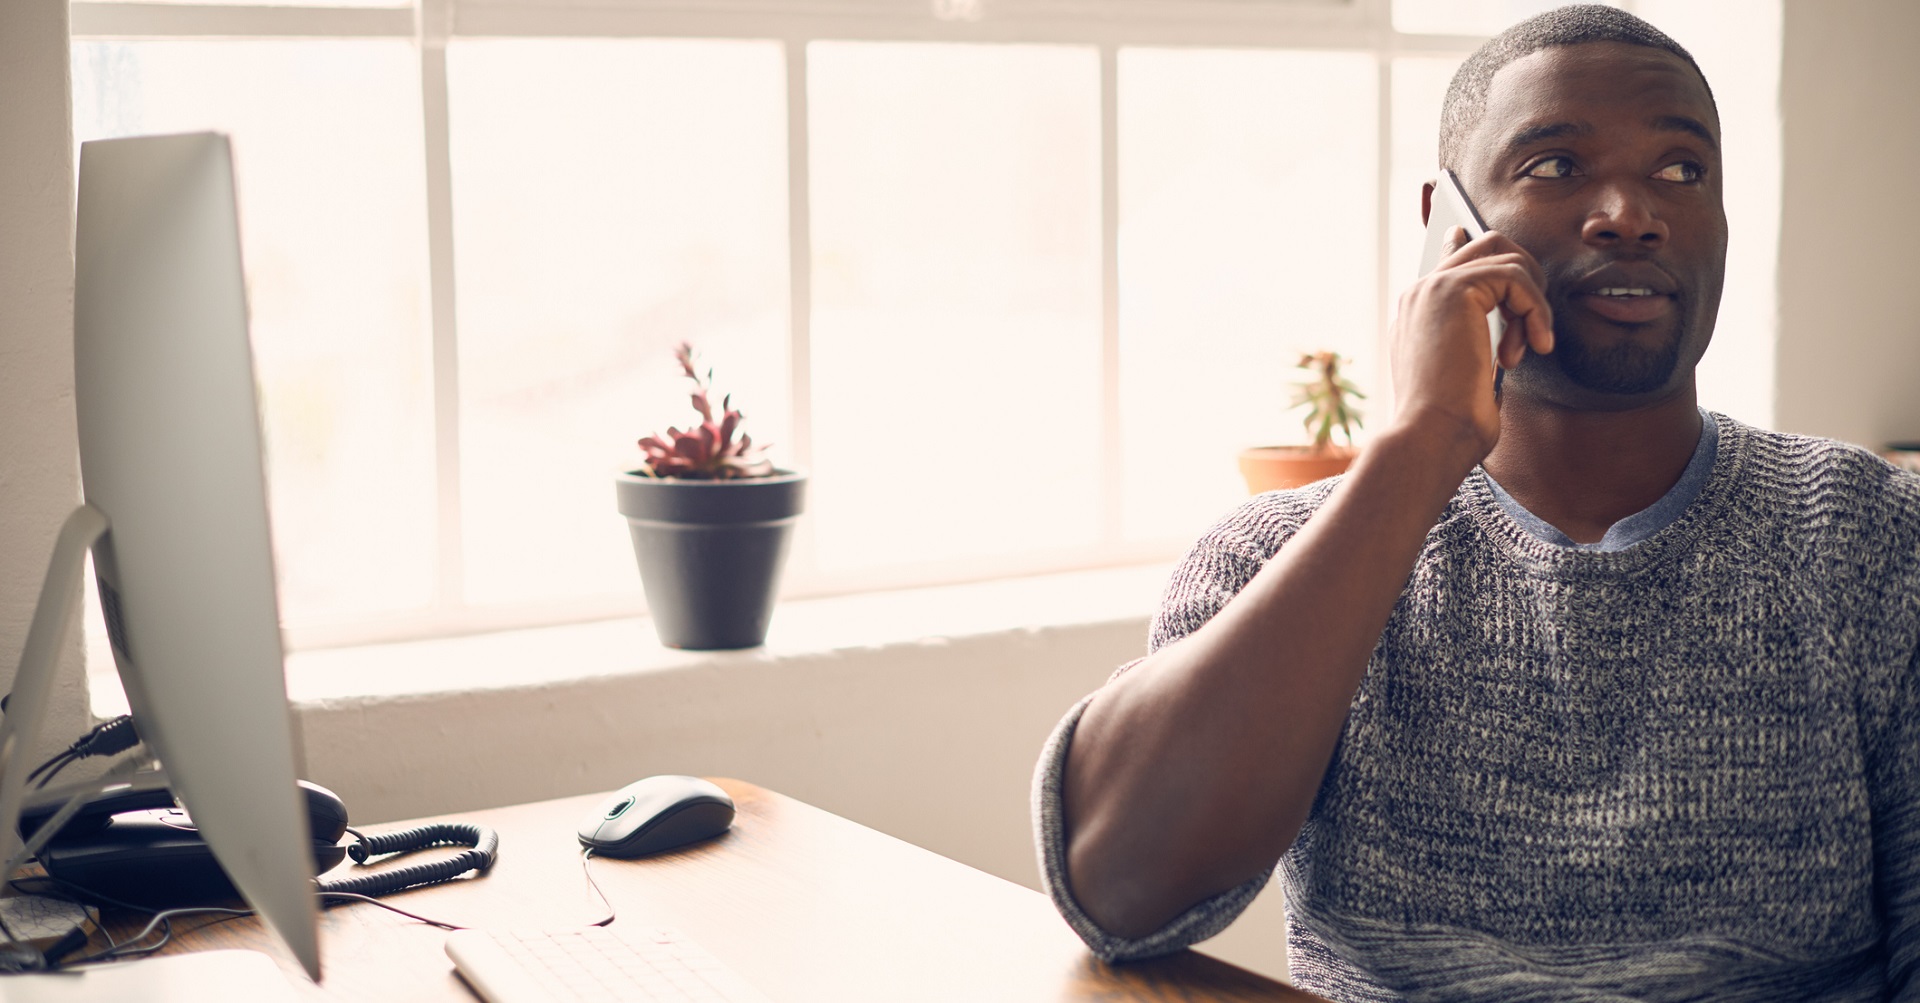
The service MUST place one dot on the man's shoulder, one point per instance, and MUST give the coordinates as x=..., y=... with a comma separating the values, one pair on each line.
x=1825, y=473
x=1828, y=501
x=1258, y=526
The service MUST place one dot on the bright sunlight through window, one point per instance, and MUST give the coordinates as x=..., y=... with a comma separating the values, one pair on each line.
x=1013, y=288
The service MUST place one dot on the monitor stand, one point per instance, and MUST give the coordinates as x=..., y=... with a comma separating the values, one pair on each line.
x=39, y=662
x=289, y=911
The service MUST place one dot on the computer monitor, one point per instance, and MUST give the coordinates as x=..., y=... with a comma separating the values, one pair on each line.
x=170, y=456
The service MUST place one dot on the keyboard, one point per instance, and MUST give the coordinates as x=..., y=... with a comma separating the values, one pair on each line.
x=612, y=963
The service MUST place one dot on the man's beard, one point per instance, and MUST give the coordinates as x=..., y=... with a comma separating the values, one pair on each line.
x=1626, y=367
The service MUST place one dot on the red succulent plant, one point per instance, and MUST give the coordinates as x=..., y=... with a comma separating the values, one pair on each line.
x=707, y=451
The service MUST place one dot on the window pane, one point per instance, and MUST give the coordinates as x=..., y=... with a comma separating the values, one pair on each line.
x=610, y=199
x=1247, y=236
x=1467, y=17
x=326, y=140
x=956, y=300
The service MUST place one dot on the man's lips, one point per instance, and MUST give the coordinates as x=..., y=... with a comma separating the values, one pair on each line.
x=1627, y=304
x=1628, y=292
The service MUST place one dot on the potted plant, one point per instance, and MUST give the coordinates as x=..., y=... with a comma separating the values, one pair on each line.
x=1328, y=398
x=710, y=516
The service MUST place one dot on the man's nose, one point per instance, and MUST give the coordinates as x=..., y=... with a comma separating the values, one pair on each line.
x=1623, y=213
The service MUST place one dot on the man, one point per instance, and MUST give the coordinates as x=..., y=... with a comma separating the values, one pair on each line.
x=1576, y=692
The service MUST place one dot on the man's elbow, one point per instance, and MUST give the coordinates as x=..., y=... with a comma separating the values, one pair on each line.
x=1121, y=899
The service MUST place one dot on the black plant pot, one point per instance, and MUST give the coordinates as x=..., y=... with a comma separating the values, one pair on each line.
x=710, y=553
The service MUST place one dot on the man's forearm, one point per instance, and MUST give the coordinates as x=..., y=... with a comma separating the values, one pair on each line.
x=1196, y=769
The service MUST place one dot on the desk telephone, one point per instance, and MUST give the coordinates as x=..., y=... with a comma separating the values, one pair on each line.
x=136, y=845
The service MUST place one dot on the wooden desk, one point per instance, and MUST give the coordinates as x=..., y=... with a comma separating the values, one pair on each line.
x=806, y=905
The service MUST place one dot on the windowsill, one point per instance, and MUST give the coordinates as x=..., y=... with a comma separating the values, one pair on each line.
x=802, y=630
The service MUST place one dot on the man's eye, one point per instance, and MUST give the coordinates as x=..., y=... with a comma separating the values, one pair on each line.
x=1685, y=171
x=1552, y=167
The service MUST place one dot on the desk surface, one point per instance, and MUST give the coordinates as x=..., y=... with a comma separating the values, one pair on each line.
x=805, y=904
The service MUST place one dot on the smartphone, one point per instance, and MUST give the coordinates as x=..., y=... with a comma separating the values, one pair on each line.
x=1449, y=208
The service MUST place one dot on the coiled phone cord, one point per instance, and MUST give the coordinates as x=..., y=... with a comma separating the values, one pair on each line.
x=485, y=845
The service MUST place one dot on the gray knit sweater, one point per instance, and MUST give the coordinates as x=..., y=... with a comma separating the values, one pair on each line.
x=1689, y=769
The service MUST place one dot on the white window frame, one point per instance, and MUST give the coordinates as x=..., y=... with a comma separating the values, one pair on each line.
x=1108, y=25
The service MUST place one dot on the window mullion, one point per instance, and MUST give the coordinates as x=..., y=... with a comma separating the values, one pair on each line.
x=432, y=25
x=1111, y=448
x=800, y=288
x=154, y=20
x=1383, y=216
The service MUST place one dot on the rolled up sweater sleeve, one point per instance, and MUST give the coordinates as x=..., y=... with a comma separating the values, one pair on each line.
x=1220, y=564
x=1203, y=920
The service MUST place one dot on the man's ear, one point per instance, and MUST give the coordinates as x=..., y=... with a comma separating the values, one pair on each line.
x=1426, y=202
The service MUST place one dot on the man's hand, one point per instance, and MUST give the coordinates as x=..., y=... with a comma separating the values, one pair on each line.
x=1441, y=357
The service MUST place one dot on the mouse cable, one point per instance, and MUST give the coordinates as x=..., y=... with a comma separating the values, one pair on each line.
x=586, y=855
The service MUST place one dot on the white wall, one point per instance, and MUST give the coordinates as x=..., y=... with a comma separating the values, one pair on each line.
x=1849, y=350
x=39, y=473
x=933, y=741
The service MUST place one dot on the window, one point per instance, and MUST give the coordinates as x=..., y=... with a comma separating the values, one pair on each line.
x=1013, y=280
x=1249, y=214
x=610, y=197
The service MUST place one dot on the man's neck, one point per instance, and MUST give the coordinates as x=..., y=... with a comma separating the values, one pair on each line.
x=1583, y=471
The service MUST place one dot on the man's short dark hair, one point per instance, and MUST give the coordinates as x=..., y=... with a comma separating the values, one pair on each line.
x=1577, y=25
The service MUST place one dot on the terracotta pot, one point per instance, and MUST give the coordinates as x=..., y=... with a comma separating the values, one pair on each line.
x=1271, y=468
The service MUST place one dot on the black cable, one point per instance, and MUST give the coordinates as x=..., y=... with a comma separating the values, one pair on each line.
x=119, y=949
x=484, y=841
x=485, y=845
x=125, y=950
x=74, y=940
x=109, y=738
x=60, y=761
x=481, y=838
x=162, y=921
x=166, y=917
x=115, y=949
x=80, y=893
x=370, y=900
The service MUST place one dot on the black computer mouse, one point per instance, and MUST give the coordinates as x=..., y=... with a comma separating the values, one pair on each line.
x=655, y=814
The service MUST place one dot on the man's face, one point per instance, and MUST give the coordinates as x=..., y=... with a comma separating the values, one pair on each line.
x=1603, y=161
